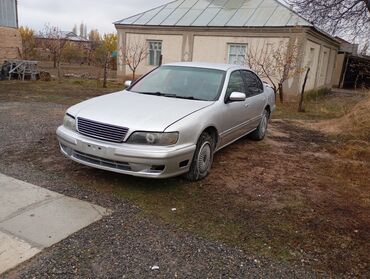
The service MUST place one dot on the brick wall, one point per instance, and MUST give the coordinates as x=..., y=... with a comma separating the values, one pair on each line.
x=10, y=44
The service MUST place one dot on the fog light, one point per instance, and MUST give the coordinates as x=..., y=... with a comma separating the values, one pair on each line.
x=184, y=164
x=67, y=149
x=157, y=168
x=139, y=167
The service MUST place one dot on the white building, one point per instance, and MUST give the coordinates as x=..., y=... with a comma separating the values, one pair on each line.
x=223, y=31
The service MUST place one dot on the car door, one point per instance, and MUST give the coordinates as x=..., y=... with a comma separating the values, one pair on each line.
x=256, y=99
x=235, y=115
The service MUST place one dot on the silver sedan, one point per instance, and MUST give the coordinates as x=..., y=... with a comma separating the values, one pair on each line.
x=169, y=122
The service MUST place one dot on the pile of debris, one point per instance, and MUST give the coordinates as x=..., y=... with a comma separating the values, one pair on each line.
x=19, y=69
x=80, y=76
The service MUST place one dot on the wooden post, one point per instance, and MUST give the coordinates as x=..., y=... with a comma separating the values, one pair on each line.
x=160, y=60
x=301, y=102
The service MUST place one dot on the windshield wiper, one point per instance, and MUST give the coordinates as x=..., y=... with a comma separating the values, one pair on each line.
x=158, y=94
x=170, y=95
x=188, y=98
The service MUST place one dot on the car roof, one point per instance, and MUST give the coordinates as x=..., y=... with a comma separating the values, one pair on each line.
x=208, y=65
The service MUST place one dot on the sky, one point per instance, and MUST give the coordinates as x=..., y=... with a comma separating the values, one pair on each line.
x=97, y=14
x=65, y=14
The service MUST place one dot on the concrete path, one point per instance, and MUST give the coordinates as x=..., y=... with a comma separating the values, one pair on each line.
x=32, y=218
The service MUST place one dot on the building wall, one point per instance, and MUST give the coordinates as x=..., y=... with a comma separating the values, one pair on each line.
x=8, y=13
x=10, y=44
x=10, y=39
x=196, y=44
x=312, y=61
x=171, y=49
x=323, y=66
x=219, y=52
x=220, y=46
x=338, y=69
x=320, y=56
x=331, y=67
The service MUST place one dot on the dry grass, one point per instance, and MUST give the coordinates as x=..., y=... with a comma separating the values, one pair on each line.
x=355, y=124
x=69, y=91
x=332, y=105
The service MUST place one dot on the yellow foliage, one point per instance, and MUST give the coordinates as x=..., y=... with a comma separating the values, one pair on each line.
x=28, y=41
x=110, y=42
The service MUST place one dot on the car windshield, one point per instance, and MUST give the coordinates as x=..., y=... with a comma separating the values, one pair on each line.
x=182, y=82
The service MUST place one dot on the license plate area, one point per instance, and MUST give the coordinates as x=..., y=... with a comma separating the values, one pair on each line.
x=96, y=150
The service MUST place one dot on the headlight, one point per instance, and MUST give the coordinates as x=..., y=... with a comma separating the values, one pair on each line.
x=69, y=122
x=149, y=138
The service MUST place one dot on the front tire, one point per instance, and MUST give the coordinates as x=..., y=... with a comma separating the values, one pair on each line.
x=261, y=131
x=203, y=158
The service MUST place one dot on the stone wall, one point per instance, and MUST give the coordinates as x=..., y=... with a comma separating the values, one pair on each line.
x=10, y=44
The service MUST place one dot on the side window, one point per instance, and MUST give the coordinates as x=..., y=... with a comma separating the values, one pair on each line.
x=253, y=84
x=155, y=51
x=236, y=84
x=237, y=54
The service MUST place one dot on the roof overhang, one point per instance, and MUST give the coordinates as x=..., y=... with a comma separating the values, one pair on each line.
x=266, y=29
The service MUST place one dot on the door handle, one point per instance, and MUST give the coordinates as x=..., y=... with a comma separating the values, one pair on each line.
x=246, y=105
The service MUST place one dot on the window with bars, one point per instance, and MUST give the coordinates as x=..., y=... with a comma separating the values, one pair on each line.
x=237, y=54
x=155, y=52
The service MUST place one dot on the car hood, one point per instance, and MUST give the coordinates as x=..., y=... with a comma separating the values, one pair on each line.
x=137, y=111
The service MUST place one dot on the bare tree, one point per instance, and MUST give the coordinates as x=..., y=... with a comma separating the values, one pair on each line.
x=55, y=42
x=365, y=48
x=338, y=17
x=260, y=60
x=276, y=63
x=133, y=53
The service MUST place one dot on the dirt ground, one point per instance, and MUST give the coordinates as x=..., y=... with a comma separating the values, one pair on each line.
x=299, y=197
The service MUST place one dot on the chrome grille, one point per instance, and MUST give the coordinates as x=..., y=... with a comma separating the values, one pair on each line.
x=100, y=130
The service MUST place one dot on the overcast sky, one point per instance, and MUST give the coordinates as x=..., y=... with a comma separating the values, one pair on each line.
x=66, y=13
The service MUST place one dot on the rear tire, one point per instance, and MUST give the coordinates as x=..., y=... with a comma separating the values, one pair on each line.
x=261, y=131
x=203, y=158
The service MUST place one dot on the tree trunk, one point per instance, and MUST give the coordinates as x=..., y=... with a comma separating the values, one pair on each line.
x=59, y=72
x=55, y=60
x=105, y=73
x=160, y=60
x=98, y=78
x=301, y=104
x=89, y=54
x=281, y=93
x=133, y=74
x=356, y=80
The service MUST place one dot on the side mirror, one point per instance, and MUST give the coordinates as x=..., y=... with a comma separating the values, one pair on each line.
x=127, y=84
x=267, y=84
x=237, y=97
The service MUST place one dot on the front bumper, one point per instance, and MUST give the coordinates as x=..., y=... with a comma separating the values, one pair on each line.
x=136, y=160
